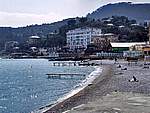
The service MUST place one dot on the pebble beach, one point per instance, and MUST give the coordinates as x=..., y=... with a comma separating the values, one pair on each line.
x=111, y=91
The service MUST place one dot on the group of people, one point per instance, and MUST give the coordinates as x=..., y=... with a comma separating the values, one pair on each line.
x=134, y=79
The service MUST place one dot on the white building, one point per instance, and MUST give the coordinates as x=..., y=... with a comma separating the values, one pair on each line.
x=132, y=54
x=34, y=40
x=81, y=37
x=125, y=44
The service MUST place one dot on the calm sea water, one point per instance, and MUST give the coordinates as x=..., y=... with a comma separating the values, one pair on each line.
x=24, y=86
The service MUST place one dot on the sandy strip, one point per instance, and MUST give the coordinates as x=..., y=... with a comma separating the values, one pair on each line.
x=116, y=102
x=112, y=79
x=89, y=93
x=126, y=96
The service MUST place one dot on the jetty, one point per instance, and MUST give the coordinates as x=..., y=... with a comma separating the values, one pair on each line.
x=74, y=64
x=65, y=64
x=60, y=75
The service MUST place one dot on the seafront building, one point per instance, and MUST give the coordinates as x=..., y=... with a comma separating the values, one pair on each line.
x=102, y=42
x=121, y=50
x=10, y=46
x=144, y=48
x=121, y=47
x=80, y=38
x=149, y=34
x=34, y=41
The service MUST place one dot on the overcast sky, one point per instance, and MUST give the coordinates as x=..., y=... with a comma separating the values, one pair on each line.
x=16, y=13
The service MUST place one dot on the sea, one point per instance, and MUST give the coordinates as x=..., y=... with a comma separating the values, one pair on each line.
x=25, y=87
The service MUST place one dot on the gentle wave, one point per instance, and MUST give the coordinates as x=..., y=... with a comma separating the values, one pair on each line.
x=25, y=89
x=88, y=80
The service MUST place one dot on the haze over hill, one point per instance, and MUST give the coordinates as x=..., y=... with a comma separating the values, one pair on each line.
x=140, y=12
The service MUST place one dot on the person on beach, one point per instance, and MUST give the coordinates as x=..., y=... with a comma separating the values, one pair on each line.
x=119, y=66
x=115, y=60
x=134, y=79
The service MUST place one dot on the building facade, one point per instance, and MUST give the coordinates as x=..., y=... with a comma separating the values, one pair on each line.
x=102, y=42
x=132, y=54
x=34, y=41
x=78, y=39
x=146, y=50
x=10, y=46
x=121, y=47
x=149, y=33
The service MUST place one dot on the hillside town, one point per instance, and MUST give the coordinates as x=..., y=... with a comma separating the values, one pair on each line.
x=84, y=42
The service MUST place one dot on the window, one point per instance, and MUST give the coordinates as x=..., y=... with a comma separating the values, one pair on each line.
x=145, y=52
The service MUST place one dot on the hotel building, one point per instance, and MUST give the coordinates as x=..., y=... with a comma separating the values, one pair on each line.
x=79, y=38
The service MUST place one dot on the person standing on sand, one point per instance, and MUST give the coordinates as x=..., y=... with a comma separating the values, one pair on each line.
x=115, y=60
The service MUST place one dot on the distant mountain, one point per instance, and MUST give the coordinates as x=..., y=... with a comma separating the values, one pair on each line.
x=140, y=12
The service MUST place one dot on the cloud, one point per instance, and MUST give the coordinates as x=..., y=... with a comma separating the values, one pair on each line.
x=23, y=19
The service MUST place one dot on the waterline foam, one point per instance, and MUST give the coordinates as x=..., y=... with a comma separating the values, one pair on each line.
x=88, y=80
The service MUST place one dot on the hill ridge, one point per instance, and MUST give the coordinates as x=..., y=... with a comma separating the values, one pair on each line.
x=140, y=11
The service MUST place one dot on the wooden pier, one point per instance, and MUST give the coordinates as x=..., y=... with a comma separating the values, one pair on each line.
x=74, y=64
x=65, y=64
x=60, y=75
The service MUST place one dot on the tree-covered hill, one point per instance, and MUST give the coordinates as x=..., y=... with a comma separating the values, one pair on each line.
x=99, y=18
x=21, y=34
x=140, y=12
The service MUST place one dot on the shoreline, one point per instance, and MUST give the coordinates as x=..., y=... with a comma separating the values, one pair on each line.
x=79, y=87
x=84, y=95
x=112, y=81
x=122, y=95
